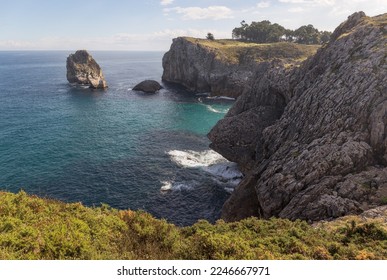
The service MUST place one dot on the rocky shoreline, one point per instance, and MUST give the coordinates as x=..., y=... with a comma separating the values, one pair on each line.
x=311, y=139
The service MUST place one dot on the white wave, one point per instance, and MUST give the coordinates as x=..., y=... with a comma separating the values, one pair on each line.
x=129, y=89
x=172, y=186
x=220, y=97
x=229, y=190
x=212, y=109
x=226, y=175
x=167, y=186
x=192, y=159
x=223, y=172
x=227, y=170
x=76, y=85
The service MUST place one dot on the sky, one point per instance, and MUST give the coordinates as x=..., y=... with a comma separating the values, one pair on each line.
x=150, y=25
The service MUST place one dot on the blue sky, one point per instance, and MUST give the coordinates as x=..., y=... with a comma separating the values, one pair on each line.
x=151, y=24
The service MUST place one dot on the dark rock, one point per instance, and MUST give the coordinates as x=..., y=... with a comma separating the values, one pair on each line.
x=320, y=153
x=148, y=86
x=82, y=69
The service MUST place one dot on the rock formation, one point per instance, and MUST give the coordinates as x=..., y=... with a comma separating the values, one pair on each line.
x=82, y=69
x=224, y=67
x=312, y=140
x=148, y=86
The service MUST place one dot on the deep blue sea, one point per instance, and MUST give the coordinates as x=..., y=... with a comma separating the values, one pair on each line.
x=123, y=148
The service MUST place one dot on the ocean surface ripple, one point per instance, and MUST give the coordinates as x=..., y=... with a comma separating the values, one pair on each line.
x=118, y=147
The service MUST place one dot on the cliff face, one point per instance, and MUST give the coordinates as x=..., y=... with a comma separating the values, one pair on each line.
x=312, y=140
x=224, y=67
x=84, y=70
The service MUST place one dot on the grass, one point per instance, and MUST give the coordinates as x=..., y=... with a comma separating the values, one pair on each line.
x=379, y=21
x=36, y=228
x=238, y=52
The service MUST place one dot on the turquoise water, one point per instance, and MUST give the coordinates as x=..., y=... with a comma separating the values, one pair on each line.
x=108, y=146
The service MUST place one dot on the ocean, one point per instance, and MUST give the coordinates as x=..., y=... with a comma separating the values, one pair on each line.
x=118, y=147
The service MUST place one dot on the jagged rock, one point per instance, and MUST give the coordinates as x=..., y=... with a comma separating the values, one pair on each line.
x=82, y=69
x=376, y=213
x=238, y=137
x=148, y=86
x=326, y=155
x=223, y=68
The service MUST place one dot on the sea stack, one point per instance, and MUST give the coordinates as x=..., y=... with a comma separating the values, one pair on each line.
x=82, y=69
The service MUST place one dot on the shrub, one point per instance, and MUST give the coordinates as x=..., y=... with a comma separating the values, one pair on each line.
x=35, y=228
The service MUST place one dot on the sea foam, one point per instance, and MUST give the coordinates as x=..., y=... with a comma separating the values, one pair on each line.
x=220, y=98
x=192, y=159
x=223, y=172
x=168, y=186
x=212, y=109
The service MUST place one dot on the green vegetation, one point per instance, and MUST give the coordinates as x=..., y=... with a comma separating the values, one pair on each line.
x=35, y=228
x=238, y=52
x=210, y=36
x=267, y=32
x=383, y=200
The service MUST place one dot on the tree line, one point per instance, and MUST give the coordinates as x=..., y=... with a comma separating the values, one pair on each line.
x=267, y=32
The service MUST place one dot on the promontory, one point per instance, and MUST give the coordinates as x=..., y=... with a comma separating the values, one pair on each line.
x=225, y=67
x=312, y=140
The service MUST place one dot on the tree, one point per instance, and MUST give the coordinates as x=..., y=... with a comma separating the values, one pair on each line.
x=267, y=32
x=289, y=35
x=259, y=32
x=325, y=36
x=307, y=34
x=239, y=32
x=210, y=36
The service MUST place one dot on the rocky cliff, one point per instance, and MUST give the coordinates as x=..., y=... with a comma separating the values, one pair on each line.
x=84, y=70
x=312, y=140
x=224, y=67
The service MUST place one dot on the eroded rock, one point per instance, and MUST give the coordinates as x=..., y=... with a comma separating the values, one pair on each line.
x=326, y=155
x=82, y=69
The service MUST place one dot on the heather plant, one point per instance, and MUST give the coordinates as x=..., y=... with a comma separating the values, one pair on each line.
x=36, y=228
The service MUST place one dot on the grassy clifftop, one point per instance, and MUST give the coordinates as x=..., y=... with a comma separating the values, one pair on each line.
x=239, y=52
x=35, y=228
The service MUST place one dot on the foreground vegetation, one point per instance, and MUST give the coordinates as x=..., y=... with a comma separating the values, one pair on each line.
x=35, y=228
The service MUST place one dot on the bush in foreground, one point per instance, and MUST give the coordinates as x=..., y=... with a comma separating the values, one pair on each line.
x=35, y=228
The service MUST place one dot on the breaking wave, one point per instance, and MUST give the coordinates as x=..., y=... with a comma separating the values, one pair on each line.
x=222, y=171
x=192, y=159
x=220, y=98
x=219, y=111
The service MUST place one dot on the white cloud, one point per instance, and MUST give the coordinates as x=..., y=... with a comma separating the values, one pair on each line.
x=166, y=2
x=198, y=33
x=346, y=7
x=296, y=1
x=263, y=4
x=197, y=13
x=154, y=41
x=312, y=2
x=296, y=10
x=15, y=44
